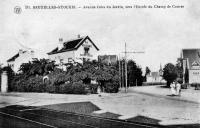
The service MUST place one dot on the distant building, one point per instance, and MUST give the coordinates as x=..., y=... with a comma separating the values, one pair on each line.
x=190, y=62
x=76, y=50
x=23, y=56
x=154, y=77
x=108, y=59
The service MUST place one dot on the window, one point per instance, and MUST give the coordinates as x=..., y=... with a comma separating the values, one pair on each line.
x=86, y=49
x=70, y=60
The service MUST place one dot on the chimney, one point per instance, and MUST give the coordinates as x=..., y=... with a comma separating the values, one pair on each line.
x=20, y=51
x=79, y=36
x=60, y=43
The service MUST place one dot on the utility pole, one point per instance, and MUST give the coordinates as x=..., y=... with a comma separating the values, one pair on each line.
x=120, y=85
x=126, y=75
x=126, y=80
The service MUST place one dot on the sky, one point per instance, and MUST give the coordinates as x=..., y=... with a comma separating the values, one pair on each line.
x=160, y=32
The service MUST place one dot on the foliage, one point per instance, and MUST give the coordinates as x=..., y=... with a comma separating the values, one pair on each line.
x=58, y=77
x=37, y=67
x=196, y=85
x=76, y=80
x=0, y=75
x=92, y=88
x=184, y=86
x=186, y=77
x=147, y=72
x=170, y=73
x=153, y=83
x=75, y=88
x=35, y=84
x=111, y=87
x=179, y=70
x=88, y=71
x=134, y=74
x=31, y=84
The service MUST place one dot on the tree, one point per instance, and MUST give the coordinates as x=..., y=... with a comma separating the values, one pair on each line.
x=179, y=68
x=147, y=72
x=134, y=74
x=25, y=68
x=37, y=67
x=170, y=73
x=186, y=75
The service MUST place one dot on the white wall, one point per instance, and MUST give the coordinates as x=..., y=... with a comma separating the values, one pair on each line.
x=194, y=76
x=23, y=58
x=154, y=79
x=64, y=55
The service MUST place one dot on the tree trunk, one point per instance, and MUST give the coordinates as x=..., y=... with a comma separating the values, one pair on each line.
x=168, y=84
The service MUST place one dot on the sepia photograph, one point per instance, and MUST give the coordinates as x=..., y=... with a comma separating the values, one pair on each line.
x=100, y=64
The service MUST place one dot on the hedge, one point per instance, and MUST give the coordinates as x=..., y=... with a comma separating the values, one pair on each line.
x=36, y=84
x=32, y=84
x=111, y=87
x=196, y=85
x=184, y=86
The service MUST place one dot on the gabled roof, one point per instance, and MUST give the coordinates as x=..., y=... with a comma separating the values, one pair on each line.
x=72, y=45
x=195, y=63
x=13, y=58
x=193, y=55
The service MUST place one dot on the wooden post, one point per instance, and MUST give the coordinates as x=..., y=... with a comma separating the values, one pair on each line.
x=120, y=85
x=126, y=79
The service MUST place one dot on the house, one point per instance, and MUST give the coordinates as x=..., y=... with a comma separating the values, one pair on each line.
x=76, y=50
x=23, y=56
x=190, y=62
x=108, y=59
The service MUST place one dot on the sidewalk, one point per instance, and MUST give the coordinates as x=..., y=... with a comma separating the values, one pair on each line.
x=187, y=95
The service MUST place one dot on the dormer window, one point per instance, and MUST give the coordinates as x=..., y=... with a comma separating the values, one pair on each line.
x=86, y=50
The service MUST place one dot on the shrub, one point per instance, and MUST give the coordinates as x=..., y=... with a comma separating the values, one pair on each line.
x=58, y=77
x=75, y=88
x=92, y=88
x=111, y=87
x=31, y=84
x=184, y=86
x=79, y=88
x=0, y=74
x=51, y=88
x=66, y=88
x=196, y=85
x=35, y=84
x=18, y=83
x=153, y=83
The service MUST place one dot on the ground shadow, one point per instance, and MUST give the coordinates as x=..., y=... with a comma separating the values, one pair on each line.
x=172, y=95
x=164, y=86
x=77, y=107
x=84, y=108
x=184, y=126
x=107, y=115
x=143, y=119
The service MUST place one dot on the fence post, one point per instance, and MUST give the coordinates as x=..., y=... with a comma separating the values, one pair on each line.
x=4, y=82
